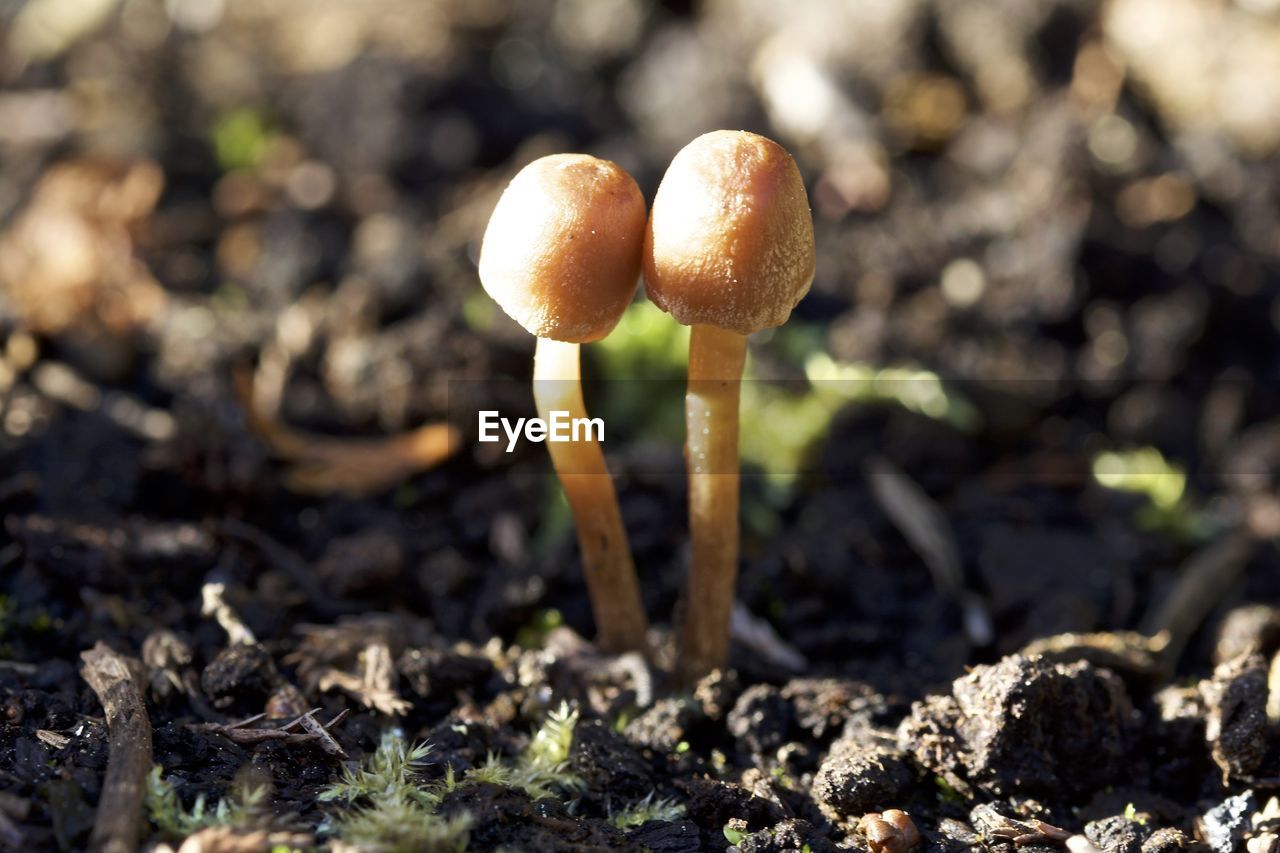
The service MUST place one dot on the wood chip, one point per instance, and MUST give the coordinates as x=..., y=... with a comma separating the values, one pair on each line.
x=53, y=739
x=68, y=259
x=374, y=685
x=232, y=839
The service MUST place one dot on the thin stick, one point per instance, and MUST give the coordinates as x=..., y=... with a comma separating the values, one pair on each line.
x=118, y=824
x=716, y=357
x=606, y=555
x=1201, y=583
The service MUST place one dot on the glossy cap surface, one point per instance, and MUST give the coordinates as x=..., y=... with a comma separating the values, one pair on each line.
x=730, y=236
x=561, y=254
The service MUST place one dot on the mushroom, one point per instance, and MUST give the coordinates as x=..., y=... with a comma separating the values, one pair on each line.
x=561, y=256
x=728, y=251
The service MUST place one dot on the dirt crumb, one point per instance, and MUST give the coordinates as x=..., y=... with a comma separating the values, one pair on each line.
x=1117, y=834
x=760, y=719
x=1236, y=723
x=857, y=778
x=1024, y=725
x=1224, y=826
x=713, y=803
x=1168, y=840
x=825, y=706
x=663, y=726
x=241, y=672
x=788, y=836
x=607, y=762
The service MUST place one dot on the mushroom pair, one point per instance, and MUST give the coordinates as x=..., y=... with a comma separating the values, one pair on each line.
x=728, y=250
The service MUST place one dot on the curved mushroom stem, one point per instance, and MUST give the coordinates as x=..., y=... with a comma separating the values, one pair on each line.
x=716, y=357
x=606, y=556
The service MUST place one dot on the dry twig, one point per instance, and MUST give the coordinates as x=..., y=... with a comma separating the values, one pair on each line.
x=213, y=604
x=118, y=824
x=359, y=467
x=1201, y=582
x=282, y=558
x=926, y=529
x=302, y=730
x=321, y=734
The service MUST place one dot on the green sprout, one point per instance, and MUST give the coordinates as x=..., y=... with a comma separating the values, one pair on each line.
x=533, y=635
x=1146, y=472
x=946, y=791
x=239, y=139
x=1131, y=813
x=913, y=388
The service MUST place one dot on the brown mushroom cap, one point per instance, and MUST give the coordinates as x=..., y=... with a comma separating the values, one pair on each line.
x=730, y=237
x=561, y=254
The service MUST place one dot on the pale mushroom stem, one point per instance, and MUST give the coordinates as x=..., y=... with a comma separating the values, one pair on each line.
x=606, y=556
x=716, y=357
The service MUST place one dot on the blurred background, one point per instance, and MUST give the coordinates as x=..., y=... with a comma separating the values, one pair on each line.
x=239, y=239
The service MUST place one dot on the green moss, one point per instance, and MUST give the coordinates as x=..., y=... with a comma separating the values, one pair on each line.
x=391, y=768
x=646, y=343
x=388, y=809
x=784, y=423
x=242, y=808
x=644, y=360
x=541, y=770
x=647, y=809
x=780, y=422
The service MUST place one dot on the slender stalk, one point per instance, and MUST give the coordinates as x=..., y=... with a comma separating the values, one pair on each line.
x=606, y=556
x=716, y=357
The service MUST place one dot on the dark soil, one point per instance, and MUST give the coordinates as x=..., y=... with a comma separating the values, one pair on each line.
x=334, y=268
